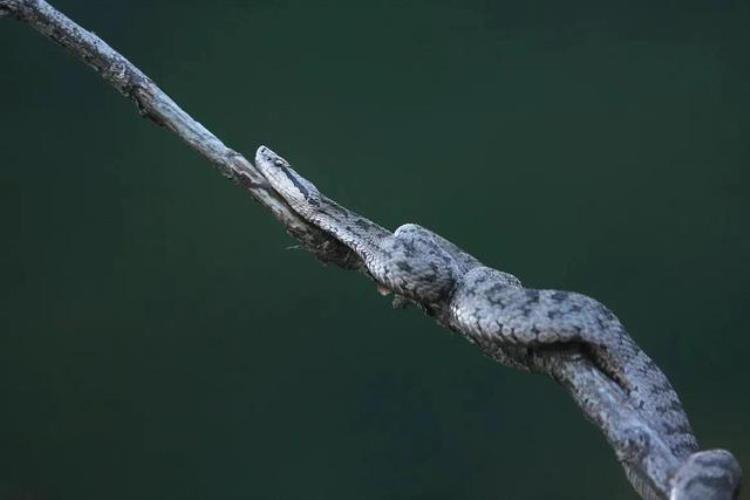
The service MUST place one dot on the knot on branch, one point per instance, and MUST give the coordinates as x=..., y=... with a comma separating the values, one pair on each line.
x=117, y=73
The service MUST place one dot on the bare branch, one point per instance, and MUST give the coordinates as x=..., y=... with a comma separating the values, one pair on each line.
x=653, y=468
x=157, y=106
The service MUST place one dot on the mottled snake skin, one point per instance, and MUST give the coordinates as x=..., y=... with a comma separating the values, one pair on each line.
x=492, y=308
x=567, y=336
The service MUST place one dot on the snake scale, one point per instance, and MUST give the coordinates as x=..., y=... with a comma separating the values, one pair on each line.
x=494, y=310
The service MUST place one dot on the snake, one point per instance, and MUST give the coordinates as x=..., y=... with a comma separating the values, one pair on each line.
x=493, y=309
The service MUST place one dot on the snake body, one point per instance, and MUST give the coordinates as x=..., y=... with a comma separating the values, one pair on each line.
x=492, y=308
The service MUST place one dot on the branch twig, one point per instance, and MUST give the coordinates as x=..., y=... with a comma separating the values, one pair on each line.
x=655, y=469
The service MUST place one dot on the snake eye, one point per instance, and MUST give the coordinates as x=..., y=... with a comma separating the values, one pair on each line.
x=278, y=163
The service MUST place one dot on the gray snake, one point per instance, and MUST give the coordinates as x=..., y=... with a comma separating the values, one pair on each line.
x=507, y=321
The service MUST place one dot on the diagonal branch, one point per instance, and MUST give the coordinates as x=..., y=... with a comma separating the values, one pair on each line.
x=655, y=470
x=158, y=107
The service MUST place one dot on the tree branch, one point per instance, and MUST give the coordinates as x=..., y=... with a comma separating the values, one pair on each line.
x=654, y=470
x=158, y=107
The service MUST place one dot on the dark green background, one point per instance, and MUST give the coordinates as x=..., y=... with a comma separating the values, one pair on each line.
x=158, y=340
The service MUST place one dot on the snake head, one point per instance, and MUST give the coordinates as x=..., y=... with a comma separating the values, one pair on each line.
x=300, y=193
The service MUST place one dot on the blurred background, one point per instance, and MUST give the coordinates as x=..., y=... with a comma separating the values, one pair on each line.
x=158, y=339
